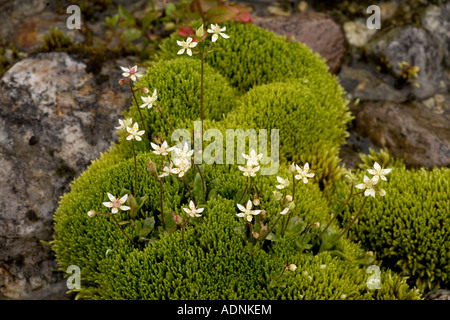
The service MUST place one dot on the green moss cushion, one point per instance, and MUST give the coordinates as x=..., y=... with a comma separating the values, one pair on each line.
x=409, y=227
x=254, y=56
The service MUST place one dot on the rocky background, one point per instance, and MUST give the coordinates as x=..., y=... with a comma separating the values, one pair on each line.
x=59, y=103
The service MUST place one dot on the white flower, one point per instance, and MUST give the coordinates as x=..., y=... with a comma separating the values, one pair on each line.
x=116, y=204
x=182, y=166
x=249, y=170
x=277, y=195
x=303, y=174
x=166, y=170
x=133, y=133
x=283, y=183
x=183, y=153
x=216, y=30
x=193, y=211
x=161, y=150
x=284, y=211
x=187, y=45
x=252, y=158
x=123, y=124
x=247, y=211
x=131, y=73
x=378, y=172
x=148, y=101
x=369, y=185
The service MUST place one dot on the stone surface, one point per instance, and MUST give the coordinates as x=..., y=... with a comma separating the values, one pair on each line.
x=416, y=46
x=437, y=21
x=55, y=117
x=408, y=130
x=315, y=29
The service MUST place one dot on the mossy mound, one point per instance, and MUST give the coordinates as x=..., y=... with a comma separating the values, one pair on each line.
x=113, y=268
x=409, y=227
x=253, y=56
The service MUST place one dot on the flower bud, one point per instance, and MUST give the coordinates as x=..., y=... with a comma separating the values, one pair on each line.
x=151, y=167
x=255, y=235
x=277, y=195
x=256, y=202
x=369, y=253
x=200, y=32
x=144, y=90
x=291, y=205
x=177, y=219
x=122, y=81
x=91, y=213
x=263, y=213
x=316, y=225
x=292, y=168
x=288, y=198
x=291, y=267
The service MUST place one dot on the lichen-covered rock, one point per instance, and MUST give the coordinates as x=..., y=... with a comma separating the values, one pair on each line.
x=416, y=46
x=55, y=118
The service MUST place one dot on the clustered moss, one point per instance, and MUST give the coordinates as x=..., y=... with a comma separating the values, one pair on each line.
x=409, y=227
x=242, y=90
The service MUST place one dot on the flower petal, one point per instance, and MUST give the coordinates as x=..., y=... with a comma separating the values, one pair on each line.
x=181, y=51
x=107, y=204
x=214, y=37
x=241, y=207
x=376, y=166
x=256, y=212
x=249, y=204
x=114, y=210
x=189, y=52
x=111, y=197
x=124, y=208
x=123, y=199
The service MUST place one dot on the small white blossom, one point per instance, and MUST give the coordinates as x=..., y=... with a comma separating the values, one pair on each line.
x=249, y=171
x=187, y=45
x=378, y=172
x=283, y=183
x=284, y=211
x=116, y=204
x=182, y=166
x=252, y=158
x=184, y=153
x=247, y=212
x=216, y=30
x=193, y=211
x=133, y=132
x=148, y=101
x=166, y=170
x=369, y=186
x=303, y=174
x=131, y=73
x=123, y=124
x=163, y=149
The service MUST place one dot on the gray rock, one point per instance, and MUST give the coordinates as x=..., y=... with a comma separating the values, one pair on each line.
x=416, y=46
x=55, y=117
x=408, y=130
x=437, y=21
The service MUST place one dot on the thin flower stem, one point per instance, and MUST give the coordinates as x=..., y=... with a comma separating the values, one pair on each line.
x=158, y=108
x=294, y=185
x=201, y=92
x=137, y=106
x=203, y=180
x=245, y=190
x=352, y=222
x=161, y=203
x=183, y=226
x=189, y=189
x=271, y=228
x=135, y=170
x=116, y=222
